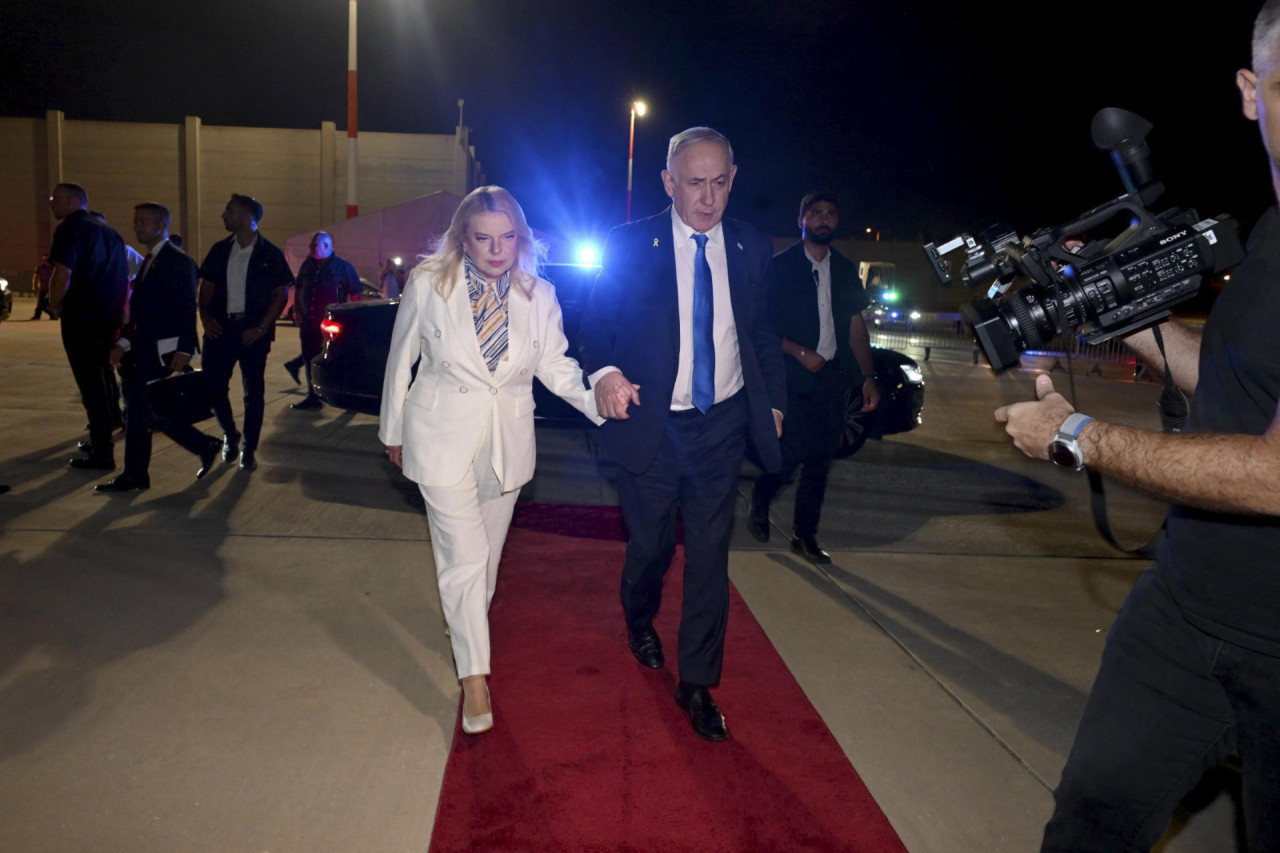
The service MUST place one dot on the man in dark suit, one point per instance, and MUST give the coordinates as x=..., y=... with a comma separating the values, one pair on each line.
x=244, y=283
x=676, y=319
x=158, y=340
x=88, y=291
x=816, y=301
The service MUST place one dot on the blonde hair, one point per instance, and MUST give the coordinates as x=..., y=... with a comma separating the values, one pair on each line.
x=446, y=260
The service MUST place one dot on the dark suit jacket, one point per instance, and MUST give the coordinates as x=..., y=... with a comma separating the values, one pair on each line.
x=793, y=304
x=632, y=322
x=163, y=305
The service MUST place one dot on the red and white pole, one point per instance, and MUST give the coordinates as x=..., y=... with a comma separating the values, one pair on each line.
x=353, y=209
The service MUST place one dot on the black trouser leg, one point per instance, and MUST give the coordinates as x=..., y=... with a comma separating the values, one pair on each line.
x=219, y=361
x=88, y=351
x=253, y=369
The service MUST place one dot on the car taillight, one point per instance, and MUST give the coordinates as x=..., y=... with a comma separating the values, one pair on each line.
x=330, y=329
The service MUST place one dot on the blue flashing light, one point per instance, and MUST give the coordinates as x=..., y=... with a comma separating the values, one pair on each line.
x=588, y=255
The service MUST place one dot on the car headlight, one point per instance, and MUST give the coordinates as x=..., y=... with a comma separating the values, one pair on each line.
x=4, y=284
x=912, y=374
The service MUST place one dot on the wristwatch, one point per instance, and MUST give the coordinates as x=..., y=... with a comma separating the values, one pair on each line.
x=1064, y=450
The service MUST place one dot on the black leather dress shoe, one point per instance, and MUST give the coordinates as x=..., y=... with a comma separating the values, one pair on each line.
x=308, y=403
x=230, y=447
x=248, y=462
x=646, y=646
x=123, y=483
x=208, y=456
x=707, y=720
x=758, y=524
x=85, y=446
x=292, y=368
x=93, y=462
x=807, y=547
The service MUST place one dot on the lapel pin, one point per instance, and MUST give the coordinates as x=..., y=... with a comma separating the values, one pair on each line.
x=655, y=242
x=740, y=247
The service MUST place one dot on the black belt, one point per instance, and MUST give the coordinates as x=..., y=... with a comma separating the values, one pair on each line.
x=237, y=318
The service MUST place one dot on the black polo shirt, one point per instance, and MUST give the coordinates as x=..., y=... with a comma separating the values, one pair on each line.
x=267, y=271
x=99, y=282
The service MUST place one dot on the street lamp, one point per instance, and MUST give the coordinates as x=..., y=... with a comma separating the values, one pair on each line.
x=637, y=109
x=353, y=208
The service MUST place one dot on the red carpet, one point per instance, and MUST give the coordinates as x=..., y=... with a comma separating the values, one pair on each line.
x=591, y=753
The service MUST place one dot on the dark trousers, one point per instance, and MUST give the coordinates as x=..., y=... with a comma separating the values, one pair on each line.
x=88, y=349
x=137, y=429
x=696, y=470
x=1169, y=703
x=312, y=342
x=42, y=305
x=810, y=433
x=221, y=355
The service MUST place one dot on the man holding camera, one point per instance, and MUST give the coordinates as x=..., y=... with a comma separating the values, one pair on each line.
x=1191, y=669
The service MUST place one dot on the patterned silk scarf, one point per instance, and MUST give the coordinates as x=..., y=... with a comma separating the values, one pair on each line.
x=489, y=308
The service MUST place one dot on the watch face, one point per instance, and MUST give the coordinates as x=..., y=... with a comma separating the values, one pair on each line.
x=1062, y=454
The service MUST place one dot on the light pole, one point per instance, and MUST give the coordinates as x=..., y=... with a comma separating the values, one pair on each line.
x=353, y=209
x=637, y=109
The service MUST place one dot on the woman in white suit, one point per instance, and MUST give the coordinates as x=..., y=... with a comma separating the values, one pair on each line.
x=481, y=326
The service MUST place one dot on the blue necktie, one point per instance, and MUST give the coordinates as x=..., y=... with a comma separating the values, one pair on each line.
x=704, y=345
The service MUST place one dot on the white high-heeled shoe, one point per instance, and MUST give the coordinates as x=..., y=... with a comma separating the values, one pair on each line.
x=480, y=723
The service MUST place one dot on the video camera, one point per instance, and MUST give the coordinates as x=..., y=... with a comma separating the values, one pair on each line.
x=1116, y=269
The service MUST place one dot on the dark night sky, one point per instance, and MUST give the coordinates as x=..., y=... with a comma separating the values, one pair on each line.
x=926, y=117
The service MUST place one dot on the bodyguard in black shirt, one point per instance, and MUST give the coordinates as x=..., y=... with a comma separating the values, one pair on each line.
x=89, y=288
x=1191, y=669
x=244, y=282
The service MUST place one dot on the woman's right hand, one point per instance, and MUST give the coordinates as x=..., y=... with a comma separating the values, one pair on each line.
x=393, y=453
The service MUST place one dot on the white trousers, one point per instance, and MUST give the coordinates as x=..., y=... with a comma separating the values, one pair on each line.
x=469, y=524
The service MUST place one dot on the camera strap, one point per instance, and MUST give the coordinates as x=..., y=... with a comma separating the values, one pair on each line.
x=1173, y=417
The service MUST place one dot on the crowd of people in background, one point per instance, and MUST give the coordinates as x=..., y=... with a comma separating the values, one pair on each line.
x=128, y=320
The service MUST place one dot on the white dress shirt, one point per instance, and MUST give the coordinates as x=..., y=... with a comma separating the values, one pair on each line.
x=238, y=274
x=826, y=323
x=724, y=331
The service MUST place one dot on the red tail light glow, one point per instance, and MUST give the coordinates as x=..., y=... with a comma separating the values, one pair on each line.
x=330, y=329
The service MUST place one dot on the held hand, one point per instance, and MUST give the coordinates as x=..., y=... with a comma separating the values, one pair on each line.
x=870, y=395
x=1033, y=425
x=251, y=336
x=393, y=453
x=117, y=353
x=614, y=395
x=179, y=361
x=212, y=328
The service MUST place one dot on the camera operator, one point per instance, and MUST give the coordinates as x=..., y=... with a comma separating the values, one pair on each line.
x=1191, y=668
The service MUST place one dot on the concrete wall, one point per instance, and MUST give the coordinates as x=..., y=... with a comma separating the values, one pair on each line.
x=300, y=176
x=24, y=207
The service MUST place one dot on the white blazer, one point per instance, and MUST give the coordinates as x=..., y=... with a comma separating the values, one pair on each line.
x=439, y=419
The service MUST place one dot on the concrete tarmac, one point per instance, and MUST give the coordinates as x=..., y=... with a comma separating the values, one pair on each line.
x=257, y=661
